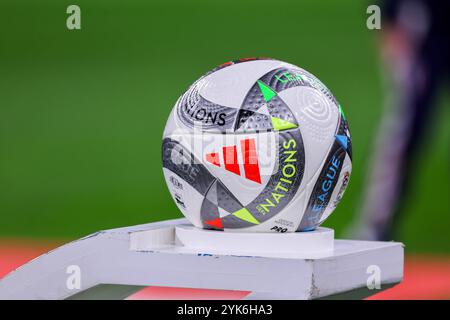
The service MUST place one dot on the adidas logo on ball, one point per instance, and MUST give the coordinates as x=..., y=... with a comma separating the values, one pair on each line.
x=228, y=159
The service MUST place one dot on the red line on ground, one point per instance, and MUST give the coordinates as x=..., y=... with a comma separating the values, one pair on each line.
x=425, y=278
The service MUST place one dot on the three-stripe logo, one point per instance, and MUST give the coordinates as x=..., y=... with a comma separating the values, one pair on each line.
x=230, y=160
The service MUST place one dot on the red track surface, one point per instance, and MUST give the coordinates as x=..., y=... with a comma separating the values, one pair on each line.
x=426, y=277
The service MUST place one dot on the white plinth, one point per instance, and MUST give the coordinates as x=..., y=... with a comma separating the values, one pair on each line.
x=300, y=244
x=115, y=263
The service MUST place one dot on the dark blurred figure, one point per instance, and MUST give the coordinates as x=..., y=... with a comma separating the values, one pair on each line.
x=415, y=51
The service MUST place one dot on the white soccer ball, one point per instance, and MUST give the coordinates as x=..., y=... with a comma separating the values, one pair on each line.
x=257, y=145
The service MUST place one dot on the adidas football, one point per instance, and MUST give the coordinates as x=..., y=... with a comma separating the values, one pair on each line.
x=257, y=145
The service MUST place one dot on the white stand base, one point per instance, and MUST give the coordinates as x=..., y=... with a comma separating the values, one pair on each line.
x=296, y=245
x=114, y=264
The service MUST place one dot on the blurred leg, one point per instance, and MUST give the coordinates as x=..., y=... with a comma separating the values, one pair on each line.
x=403, y=125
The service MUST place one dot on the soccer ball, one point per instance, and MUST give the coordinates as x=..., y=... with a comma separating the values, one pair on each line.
x=257, y=145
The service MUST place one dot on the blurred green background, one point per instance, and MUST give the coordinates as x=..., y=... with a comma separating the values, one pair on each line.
x=82, y=112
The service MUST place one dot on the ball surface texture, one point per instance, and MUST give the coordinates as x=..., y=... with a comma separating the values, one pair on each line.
x=257, y=145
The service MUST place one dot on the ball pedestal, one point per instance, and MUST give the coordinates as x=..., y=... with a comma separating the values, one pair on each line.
x=314, y=244
x=114, y=264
